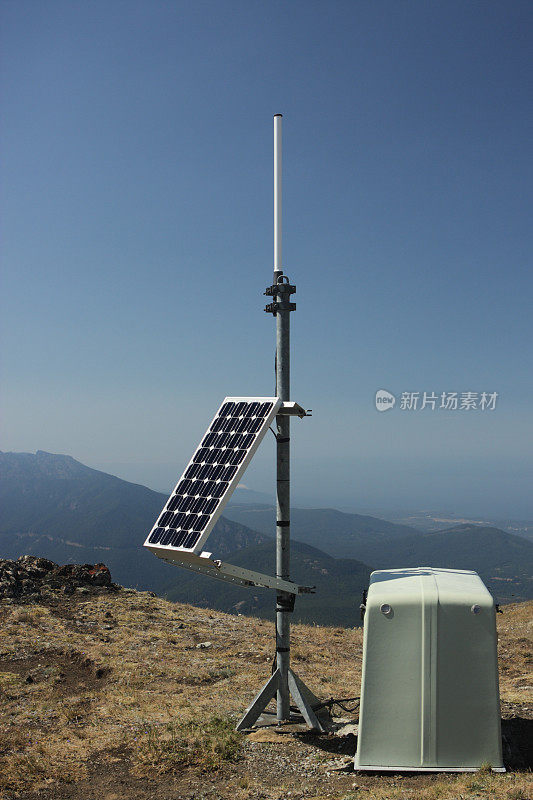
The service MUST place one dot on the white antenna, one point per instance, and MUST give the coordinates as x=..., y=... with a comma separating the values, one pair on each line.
x=277, y=194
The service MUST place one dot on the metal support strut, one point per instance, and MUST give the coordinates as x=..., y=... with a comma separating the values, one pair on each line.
x=283, y=681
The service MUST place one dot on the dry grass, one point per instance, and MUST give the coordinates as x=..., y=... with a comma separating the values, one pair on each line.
x=124, y=671
x=471, y=787
x=515, y=653
x=206, y=744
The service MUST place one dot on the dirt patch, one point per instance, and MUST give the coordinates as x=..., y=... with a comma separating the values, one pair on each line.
x=289, y=767
x=278, y=766
x=69, y=672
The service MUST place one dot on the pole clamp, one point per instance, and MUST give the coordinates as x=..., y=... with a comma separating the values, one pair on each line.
x=273, y=308
x=282, y=291
x=285, y=602
x=279, y=289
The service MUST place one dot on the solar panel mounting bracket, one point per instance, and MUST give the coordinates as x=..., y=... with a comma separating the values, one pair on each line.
x=288, y=408
x=205, y=564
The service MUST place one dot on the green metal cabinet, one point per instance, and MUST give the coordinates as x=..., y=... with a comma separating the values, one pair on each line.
x=429, y=692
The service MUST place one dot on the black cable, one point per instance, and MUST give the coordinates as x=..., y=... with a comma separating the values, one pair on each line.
x=348, y=710
x=332, y=702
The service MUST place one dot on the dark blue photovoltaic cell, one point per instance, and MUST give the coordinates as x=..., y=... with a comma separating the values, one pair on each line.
x=206, y=480
x=237, y=456
x=156, y=535
x=220, y=489
x=167, y=536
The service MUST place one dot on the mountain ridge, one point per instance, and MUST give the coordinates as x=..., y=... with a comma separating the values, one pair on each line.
x=54, y=506
x=58, y=508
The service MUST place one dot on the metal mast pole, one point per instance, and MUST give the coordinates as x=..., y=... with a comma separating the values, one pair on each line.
x=283, y=498
x=283, y=682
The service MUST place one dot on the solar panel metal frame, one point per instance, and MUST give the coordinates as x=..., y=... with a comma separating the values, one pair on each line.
x=159, y=549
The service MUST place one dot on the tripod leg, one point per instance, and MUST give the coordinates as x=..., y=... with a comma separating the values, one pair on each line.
x=302, y=696
x=260, y=702
x=306, y=691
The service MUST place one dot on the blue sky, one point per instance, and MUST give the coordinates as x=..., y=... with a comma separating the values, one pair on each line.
x=137, y=237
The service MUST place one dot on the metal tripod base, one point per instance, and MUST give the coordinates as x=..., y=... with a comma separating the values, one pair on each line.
x=302, y=696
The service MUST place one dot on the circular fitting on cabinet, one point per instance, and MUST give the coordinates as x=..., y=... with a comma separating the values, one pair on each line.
x=475, y=609
x=386, y=609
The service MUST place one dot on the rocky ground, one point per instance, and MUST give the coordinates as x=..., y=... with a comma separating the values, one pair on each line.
x=110, y=693
x=30, y=579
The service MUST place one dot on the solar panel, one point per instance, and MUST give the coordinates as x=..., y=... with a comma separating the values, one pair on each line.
x=212, y=474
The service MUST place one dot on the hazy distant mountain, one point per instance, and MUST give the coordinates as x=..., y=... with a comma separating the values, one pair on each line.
x=54, y=506
x=504, y=560
x=428, y=521
x=51, y=505
x=45, y=493
x=340, y=534
x=244, y=496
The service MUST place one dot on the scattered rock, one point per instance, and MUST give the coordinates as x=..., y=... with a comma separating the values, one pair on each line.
x=347, y=730
x=203, y=645
x=346, y=765
x=29, y=579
